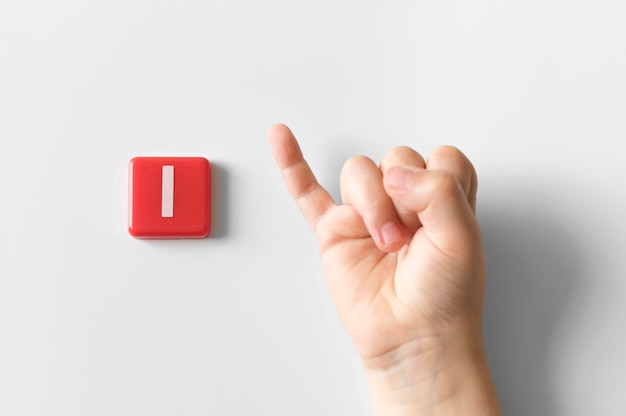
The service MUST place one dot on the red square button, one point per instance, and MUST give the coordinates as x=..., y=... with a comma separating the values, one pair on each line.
x=170, y=197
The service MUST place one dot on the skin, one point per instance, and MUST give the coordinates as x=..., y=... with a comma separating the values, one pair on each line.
x=405, y=266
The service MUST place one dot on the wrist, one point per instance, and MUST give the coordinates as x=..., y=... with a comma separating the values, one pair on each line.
x=434, y=376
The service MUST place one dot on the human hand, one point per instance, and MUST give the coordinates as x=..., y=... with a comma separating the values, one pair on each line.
x=404, y=262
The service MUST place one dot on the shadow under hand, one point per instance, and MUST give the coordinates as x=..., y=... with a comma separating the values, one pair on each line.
x=533, y=266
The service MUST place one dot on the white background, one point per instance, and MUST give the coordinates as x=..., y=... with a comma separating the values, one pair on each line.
x=94, y=322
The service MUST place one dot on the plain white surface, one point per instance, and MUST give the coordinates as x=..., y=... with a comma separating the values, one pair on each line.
x=95, y=322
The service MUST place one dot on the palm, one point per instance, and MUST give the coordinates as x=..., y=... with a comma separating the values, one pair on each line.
x=377, y=294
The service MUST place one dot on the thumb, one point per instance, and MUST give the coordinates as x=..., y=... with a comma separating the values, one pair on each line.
x=440, y=203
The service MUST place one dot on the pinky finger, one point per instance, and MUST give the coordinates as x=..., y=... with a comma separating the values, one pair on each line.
x=312, y=199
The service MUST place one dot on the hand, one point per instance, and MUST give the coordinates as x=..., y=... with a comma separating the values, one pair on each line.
x=402, y=255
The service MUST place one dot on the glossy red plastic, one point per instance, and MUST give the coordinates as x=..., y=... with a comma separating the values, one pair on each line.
x=169, y=197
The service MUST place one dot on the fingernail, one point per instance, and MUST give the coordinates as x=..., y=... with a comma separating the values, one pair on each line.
x=400, y=178
x=391, y=232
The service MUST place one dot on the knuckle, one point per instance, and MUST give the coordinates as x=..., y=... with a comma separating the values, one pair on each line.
x=445, y=182
x=447, y=153
x=354, y=175
x=403, y=151
x=355, y=164
x=403, y=155
x=451, y=159
x=356, y=161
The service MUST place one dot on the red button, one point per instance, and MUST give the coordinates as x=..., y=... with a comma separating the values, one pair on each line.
x=170, y=197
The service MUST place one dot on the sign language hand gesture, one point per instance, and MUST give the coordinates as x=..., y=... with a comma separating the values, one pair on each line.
x=403, y=258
